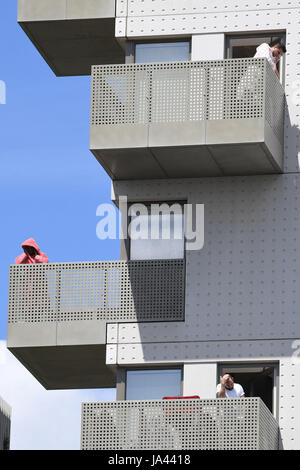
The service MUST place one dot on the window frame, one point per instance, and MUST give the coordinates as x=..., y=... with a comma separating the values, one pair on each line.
x=264, y=34
x=148, y=204
x=249, y=365
x=130, y=53
x=122, y=377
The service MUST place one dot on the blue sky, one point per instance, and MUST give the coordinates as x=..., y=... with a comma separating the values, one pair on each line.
x=50, y=183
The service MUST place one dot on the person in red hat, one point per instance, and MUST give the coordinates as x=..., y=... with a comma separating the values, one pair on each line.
x=32, y=253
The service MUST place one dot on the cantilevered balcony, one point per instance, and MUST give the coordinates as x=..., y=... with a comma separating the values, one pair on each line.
x=187, y=119
x=222, y=424
x=72, y=35
x=58, y=312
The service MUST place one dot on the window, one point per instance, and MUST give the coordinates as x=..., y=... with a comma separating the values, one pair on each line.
x=162, y=52
x=257, y=380
x=245, y=46
x=156, y=231
x=152, y=384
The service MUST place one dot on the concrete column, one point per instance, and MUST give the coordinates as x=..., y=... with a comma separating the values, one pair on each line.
x=200, y=379
x=208, y=46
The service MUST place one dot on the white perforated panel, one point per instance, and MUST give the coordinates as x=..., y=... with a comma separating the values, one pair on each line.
x=289, y=410
x=179, y=424
x=201, y=351
x=177, y=7
x=187, y=91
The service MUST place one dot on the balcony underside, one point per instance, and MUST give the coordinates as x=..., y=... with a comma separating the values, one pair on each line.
x=72, y=36
x=71, y=47
x=63, y=355
x=187, y=149
x=67, y=367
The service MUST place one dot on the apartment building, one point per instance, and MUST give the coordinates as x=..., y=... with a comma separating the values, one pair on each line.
x=181, y=115
x=5, y=417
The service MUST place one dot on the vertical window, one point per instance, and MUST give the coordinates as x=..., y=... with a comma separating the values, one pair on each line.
x=152, y=384
x=162, y=52
x=156, y=231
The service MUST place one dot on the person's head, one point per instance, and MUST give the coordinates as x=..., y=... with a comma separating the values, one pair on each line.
x=229, y=382
x=278, y=49
x=30, y=250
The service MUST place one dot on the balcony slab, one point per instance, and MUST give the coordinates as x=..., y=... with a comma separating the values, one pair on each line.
x=67, y=367
x=72, y=35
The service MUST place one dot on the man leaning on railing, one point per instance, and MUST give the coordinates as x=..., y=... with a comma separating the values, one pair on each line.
x=228, y=389
x=272, y=53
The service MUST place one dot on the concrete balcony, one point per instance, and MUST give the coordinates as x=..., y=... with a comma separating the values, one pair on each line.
x=222, y=424
x=71, y=35
x=58, y=312
x=187, y=119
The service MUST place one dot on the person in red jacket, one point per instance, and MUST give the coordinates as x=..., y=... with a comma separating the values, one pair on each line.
x=32, y=253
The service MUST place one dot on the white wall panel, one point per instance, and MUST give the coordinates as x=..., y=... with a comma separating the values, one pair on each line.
x=121, y=8
x=204, y=351
x=208, y=46
x=177, y=7
x=289, y=405
x=200, y=379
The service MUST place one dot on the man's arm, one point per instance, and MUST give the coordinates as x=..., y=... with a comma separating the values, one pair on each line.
x=222, y=393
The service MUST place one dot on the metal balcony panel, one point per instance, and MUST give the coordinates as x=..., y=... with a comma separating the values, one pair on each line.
x=182, y=162
x=37, y=10
x=129, y=164
x=242, y=159
x=120, y=136
x=227, y=109
x=200, y=424
x=58, y=313
x=183, y=134
x=72, y=35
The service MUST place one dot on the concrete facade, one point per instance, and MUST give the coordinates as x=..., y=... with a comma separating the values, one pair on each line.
x=242, y=288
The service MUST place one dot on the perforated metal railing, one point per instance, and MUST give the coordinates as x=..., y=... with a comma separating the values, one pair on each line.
x=104, y=290
x=187, y=91
x=179, y=424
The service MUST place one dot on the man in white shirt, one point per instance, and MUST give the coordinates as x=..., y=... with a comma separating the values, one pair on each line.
x=228, y=389
x=272, y=53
